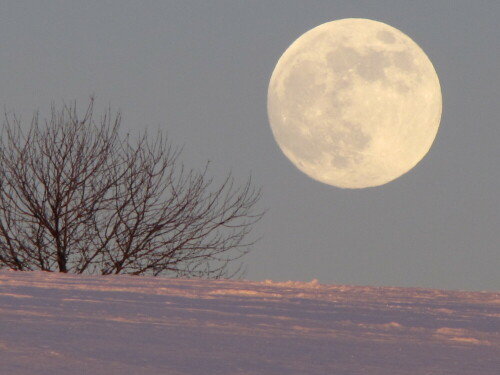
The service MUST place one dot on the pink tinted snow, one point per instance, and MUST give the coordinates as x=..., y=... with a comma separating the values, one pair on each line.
x=65, y=324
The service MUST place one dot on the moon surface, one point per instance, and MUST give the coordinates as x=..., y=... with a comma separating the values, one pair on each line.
x=354, y=103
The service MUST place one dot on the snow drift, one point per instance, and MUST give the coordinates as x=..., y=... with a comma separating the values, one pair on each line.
x=66, y=324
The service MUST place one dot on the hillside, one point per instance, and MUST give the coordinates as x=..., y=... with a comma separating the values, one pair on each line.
x=66, y=324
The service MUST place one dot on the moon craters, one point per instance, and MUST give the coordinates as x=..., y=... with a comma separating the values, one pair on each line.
x=354, y=103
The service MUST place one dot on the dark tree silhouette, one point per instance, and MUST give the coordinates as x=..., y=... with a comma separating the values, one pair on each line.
x=77, y=197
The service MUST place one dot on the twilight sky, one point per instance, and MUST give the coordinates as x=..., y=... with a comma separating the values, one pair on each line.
x=200, y=69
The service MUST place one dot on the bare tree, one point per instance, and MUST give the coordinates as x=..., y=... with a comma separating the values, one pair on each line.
x=77, y=197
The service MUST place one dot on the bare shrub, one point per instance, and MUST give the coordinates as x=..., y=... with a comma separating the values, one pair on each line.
x=77, y=197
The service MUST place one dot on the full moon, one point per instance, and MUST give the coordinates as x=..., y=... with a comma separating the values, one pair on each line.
x=354, y=103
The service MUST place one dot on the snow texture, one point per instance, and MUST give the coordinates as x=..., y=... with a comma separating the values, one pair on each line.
x=65, y=324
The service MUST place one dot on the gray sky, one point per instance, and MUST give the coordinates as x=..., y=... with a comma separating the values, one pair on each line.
x=200, y=71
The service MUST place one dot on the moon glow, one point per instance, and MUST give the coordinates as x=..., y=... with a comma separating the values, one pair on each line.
x=354, y=103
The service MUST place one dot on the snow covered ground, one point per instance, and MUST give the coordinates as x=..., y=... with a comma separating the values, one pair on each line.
x=65, y=324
